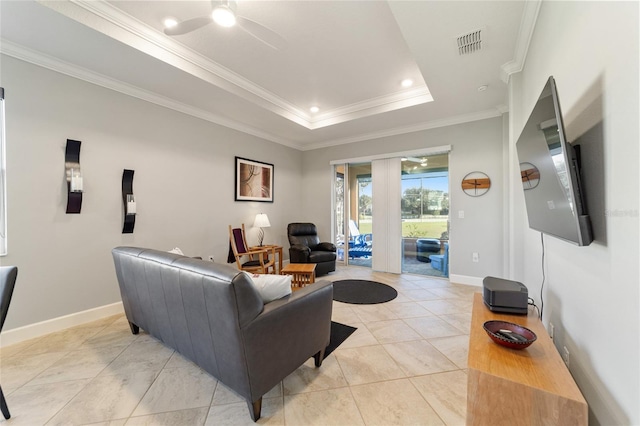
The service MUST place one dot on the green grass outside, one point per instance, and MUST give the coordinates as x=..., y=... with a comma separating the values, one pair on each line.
x=414, y=229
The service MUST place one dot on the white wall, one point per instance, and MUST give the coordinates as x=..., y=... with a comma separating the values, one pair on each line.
x=591, y=293
x=476, y=146
x=184, y=180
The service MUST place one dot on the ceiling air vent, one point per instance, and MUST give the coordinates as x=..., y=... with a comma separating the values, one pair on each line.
x=470, y=42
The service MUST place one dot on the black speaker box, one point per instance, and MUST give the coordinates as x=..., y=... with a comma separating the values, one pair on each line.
x=506, y=296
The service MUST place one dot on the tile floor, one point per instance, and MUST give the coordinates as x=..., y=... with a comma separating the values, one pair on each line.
x=405, y=365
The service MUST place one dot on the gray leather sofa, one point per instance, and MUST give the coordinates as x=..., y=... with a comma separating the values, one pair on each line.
x=213, y=315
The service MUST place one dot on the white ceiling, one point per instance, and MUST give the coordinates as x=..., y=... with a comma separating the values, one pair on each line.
x=347, y=57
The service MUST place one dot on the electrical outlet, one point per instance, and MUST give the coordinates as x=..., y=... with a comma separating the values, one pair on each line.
x=551, y=330
x=565, y=355
x=461, y=214
x=211, y=258
x=475, y=257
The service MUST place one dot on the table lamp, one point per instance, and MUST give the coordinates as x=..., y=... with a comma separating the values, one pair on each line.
x=262, y=221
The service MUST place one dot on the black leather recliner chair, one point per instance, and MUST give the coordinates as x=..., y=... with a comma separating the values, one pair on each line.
x=307, y=248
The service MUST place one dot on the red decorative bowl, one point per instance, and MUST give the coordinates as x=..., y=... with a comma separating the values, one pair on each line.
x=508, y=334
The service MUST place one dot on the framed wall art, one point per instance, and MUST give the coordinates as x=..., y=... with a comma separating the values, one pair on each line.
x=254, y=180
x=476, y=184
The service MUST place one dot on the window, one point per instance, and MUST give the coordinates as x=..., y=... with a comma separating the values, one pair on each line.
x=3, y=185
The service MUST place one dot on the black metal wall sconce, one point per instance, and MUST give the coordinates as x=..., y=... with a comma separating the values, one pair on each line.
x=74, y=176
x=128, y=202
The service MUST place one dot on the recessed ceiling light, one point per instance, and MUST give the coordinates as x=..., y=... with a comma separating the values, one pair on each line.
x=314, y=109
x=170, y=22
x=224, y=16
x=403, y=159
x=482, y=88
x=407, y=82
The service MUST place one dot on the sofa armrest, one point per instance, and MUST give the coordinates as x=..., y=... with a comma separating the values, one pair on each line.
x=299, y=253
x=287, y=332
x=326, y=247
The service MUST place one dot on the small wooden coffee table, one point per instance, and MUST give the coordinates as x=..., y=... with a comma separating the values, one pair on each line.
x=302, y=274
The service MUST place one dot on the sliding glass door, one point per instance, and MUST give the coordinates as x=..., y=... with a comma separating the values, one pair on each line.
x=339, y=209
x=425, y=214
x=391, y=212
x=360, y=215
x=353, y=213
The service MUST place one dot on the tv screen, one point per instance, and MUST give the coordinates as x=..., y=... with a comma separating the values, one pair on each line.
x=549, y=168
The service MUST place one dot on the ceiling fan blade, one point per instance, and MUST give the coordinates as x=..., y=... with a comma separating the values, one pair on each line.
x=262, y=33
x=188, y=25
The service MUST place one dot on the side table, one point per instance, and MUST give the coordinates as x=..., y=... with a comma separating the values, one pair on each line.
x=302, y=274
x=277, y=251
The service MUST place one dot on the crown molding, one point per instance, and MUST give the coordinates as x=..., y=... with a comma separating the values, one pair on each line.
x=502, y=108
x=141, y=36
x=417, y=96
x=37, y=58
x=527, y=25
x=449, y=121
x=111, y=21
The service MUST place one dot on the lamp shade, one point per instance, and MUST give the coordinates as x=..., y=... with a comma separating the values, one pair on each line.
x=262, y=221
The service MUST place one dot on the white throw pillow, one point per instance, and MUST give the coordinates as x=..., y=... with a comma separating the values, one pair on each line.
x=271, y=287
x=176, y=251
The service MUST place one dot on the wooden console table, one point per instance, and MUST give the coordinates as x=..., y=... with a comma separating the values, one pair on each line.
x=530, y=386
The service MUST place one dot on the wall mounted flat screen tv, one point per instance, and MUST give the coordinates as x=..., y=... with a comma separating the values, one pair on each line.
x=550, y=172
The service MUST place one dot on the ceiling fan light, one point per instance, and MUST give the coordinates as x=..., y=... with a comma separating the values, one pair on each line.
x=224, y=16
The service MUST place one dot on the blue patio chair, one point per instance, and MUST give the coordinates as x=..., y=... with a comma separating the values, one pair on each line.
x=441, y=261
x=360, y=245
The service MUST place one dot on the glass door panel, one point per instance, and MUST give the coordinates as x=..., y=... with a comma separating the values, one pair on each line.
x=360, y=220
x=339, y=219
x=425, y=214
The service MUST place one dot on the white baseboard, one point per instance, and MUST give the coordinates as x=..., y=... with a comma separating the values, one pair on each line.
x=466, y=279
x=38, y=329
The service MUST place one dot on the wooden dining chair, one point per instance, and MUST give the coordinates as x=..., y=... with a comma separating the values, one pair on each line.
x=250, y=259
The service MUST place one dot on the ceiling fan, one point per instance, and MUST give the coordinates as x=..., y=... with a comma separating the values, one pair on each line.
x=224, y=14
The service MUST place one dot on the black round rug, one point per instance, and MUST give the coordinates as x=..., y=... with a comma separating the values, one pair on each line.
x=362, y=292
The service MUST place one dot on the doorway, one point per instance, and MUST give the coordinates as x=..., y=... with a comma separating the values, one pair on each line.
x=384, y=204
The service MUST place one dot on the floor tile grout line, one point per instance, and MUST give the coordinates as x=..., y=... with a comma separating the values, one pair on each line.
x=162, y=412
x=85, y=386
x=154, y=381
x=215, y=388
x=91, y=378
x=425, y=400
x=355, y=401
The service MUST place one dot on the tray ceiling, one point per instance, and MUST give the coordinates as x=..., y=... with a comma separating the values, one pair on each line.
x=347, y=58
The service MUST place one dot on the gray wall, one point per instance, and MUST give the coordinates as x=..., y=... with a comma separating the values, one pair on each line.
x=184, y=179
x=476, y=146
x=591, y=293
